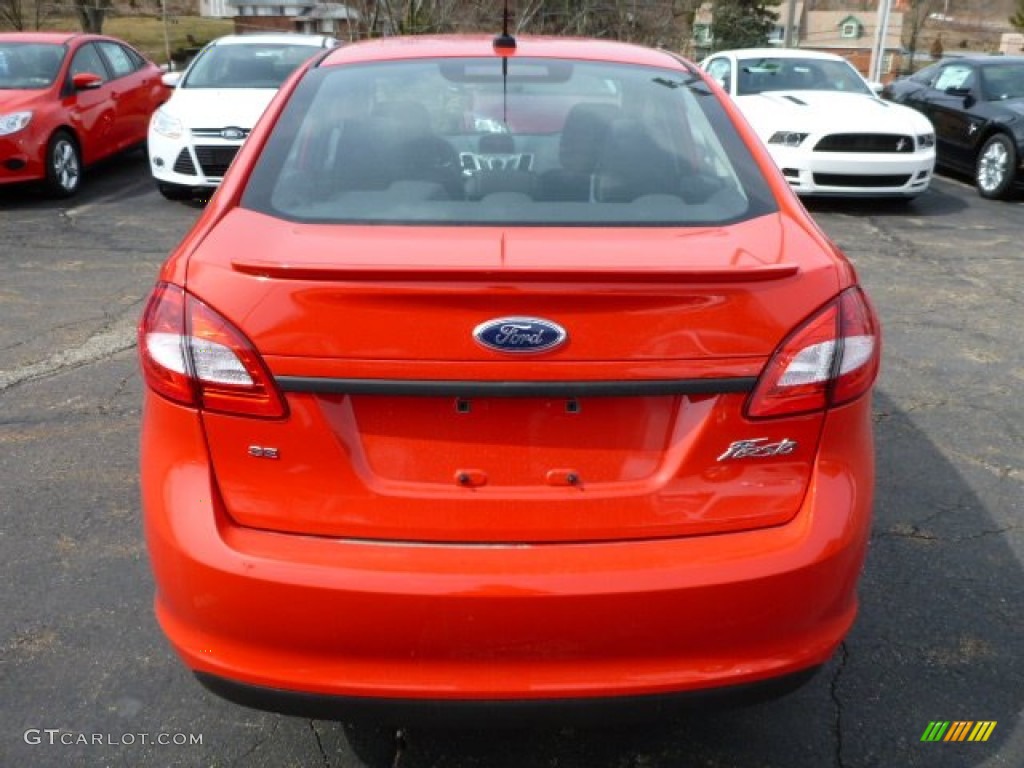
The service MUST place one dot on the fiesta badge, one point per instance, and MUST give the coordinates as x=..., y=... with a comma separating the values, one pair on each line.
x=521, y=335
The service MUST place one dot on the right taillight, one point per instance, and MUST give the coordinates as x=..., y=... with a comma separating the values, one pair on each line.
x=192, y=355
x=830, y=359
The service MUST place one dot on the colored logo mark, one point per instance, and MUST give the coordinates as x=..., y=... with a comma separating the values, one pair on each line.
x=958, y=730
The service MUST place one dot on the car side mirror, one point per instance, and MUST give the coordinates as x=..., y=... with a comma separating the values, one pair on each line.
x=86, y=81
x=962, y=93
x=171, y=79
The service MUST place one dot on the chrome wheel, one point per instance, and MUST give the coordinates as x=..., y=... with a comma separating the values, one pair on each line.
x=995, y=165
x=64, y=168
x=65, y=165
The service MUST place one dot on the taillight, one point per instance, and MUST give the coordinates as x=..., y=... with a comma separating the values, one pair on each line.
x=831, y=359
x=192, y=355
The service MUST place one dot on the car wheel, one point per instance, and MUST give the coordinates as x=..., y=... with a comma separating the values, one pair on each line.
x=63, y=165
x=174, y=191
x=995, y=168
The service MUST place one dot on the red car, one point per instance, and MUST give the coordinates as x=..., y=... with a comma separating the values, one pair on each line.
x=442, y=412
x=69, y=100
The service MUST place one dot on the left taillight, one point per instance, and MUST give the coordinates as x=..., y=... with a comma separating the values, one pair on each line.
x=192, y=355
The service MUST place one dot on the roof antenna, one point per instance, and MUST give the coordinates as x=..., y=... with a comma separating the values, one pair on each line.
x=505, y=43
x=504, y=46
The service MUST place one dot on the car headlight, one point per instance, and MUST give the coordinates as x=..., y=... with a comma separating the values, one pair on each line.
x=166, y=125
x=14, y=122
x=788, y=138
x=925, y=140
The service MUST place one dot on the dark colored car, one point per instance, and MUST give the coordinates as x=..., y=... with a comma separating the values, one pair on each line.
x=69, y=100
x=977, y=107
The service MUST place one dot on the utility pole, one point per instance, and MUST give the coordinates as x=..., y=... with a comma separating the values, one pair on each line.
x=878, y=52
x=167, y=40
x=787, y=32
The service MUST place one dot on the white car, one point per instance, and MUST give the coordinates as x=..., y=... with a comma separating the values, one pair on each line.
x=826, y=128
x=216, y=101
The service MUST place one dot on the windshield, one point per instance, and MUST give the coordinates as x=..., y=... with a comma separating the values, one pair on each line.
x=29, y=66
x=455, y=141
x=1003, y=81
x=248, y=65
x=798, y=74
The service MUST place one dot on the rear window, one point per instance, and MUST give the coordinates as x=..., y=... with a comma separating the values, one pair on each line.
x=545, y=142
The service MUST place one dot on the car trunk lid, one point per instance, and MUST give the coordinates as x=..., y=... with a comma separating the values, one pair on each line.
x=404, y=426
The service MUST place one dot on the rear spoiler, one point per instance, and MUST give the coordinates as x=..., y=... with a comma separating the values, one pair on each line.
x=396, y=273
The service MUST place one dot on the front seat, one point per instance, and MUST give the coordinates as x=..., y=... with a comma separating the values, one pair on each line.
x=419, y=154
x=632, y=165
x=579, y=149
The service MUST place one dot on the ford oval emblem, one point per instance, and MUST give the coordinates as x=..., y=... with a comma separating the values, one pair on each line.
x=520, y=334
x=232, y=134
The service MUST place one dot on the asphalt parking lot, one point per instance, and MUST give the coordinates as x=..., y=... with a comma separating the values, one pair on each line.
x=86, y=679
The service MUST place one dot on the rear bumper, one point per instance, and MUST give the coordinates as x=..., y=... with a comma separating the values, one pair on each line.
x=326, y=618
x=503, y=713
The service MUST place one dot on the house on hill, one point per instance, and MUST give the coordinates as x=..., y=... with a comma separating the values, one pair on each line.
x=850, y=34
x=215, y=9
x=1012, y=44
x=335, y=19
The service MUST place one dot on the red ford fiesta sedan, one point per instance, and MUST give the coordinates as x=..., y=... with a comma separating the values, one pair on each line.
x=501, y=374
x=67, y=101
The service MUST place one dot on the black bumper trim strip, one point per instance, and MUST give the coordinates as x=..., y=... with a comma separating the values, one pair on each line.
x=502, y=713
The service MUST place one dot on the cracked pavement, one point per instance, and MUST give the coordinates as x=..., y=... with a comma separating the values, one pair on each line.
x=941, y=629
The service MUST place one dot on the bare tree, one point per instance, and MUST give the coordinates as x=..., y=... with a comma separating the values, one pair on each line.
x=527, y=14
x=414, y=17
x=914, y=20
x=12, y=12
x=651, y=22
x=91, y=14
x=1017, y=19
x=27, y=14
